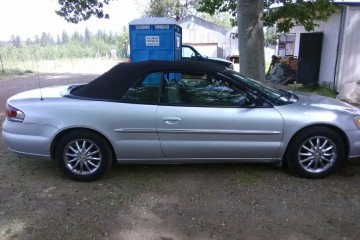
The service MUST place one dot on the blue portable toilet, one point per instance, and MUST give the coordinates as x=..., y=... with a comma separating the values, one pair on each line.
x=155, y=38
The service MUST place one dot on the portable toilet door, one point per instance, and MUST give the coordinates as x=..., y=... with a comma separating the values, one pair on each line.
x=155, y=38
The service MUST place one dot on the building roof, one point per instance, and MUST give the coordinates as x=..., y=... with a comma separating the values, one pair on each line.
x=202, y=22
x=352, y=3
x=153, y=21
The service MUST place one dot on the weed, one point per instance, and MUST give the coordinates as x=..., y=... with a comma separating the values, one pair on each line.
x=317, y=89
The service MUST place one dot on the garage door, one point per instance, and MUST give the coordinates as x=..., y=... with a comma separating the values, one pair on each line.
x=210, y=50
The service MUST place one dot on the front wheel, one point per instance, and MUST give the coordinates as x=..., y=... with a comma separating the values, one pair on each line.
x=316, y=152
x=83, y=155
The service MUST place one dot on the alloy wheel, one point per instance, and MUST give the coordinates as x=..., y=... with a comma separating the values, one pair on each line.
x=317, y=154
x=82, y=156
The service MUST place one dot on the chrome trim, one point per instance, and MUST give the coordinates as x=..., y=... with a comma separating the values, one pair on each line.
x=196, y=160
x=357, y=157
x=196, y=131
x=136, y=130
x=207, y=131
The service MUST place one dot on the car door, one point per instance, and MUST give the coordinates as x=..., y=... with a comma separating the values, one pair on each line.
x=212, y=119
x=136, y=134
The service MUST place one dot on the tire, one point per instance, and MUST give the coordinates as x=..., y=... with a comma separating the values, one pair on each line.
x=83, y=155
x=316, y=152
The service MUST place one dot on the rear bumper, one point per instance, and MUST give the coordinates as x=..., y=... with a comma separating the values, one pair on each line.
x=32, y=140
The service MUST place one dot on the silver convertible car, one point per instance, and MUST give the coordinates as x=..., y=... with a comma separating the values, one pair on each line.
x=180, y=112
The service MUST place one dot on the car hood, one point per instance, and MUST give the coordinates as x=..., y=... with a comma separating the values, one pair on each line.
x=326, y=103
x=220, y=60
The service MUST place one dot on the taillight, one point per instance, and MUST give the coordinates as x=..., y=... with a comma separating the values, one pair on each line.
x=14, y=114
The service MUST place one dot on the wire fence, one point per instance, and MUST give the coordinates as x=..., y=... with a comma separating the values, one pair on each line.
x=56, y=58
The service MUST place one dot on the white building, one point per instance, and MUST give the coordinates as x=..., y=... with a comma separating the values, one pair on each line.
x=340, y=51
x=208, y=38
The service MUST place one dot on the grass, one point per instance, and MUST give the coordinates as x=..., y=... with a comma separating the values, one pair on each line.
x=13, y=72
x=317, y=89
x=85, y=65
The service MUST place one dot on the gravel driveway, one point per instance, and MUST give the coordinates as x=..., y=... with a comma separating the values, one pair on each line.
x=164, y=202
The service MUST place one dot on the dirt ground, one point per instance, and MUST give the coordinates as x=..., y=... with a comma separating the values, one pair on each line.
x=165, y=202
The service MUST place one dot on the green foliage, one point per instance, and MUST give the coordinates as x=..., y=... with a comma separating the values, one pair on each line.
x=216, y=6
x=76, y=46
x=75, y=11
x=220, y=18
x=64, y=37
x=286, y=15
x=181, y=9
x=171, y=8
x=15, y=41
x=301, y=12
x=271, y=36
x=316, y=89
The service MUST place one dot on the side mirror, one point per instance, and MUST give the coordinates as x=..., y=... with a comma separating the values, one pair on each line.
x=199, y=57
x=247, y=102
x=251, y=101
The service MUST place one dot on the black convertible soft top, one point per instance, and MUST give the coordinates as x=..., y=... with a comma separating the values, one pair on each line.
x=115, y=82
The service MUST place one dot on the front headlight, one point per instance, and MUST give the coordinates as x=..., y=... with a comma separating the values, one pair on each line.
x=357, y=121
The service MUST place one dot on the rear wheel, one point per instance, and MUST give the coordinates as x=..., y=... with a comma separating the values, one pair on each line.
x=316, y=152
x=83, y=155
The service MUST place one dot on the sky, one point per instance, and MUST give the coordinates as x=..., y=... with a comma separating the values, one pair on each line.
x=28, y=18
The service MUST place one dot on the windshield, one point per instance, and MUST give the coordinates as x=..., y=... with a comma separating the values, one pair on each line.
x=278, y=96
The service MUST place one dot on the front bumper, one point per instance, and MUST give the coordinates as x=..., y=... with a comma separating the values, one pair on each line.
x=354, y=143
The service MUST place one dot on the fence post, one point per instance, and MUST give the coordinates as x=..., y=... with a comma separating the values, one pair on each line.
x=2, y=65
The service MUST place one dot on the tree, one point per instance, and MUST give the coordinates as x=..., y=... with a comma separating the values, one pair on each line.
x=75, y=11
x=286, y=15
x=64, y=37
x=250, y=14
x=177, y=9
x=220, y=18
x=36, y=39
x=271, y=36
x=46, y=39
x=181, y=9
x=58, y=40
x=76, y=37
x=87, y=35
x=16, y=41
x=28, y=42
x=299, y=12
x=251, y=38
x=122, y=42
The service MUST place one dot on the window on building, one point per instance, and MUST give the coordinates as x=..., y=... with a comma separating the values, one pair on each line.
x=286, y=45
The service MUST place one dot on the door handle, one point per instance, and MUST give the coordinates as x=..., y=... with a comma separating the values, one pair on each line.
x=171, y=120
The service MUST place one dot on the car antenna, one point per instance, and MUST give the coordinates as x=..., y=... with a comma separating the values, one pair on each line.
x=38, y=75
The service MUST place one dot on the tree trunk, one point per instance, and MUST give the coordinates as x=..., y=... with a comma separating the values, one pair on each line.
x=251, y=38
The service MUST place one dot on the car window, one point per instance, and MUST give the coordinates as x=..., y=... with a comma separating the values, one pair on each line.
x=199, y=89
x=146, y=90
x=277, y=96
x=188, y=52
